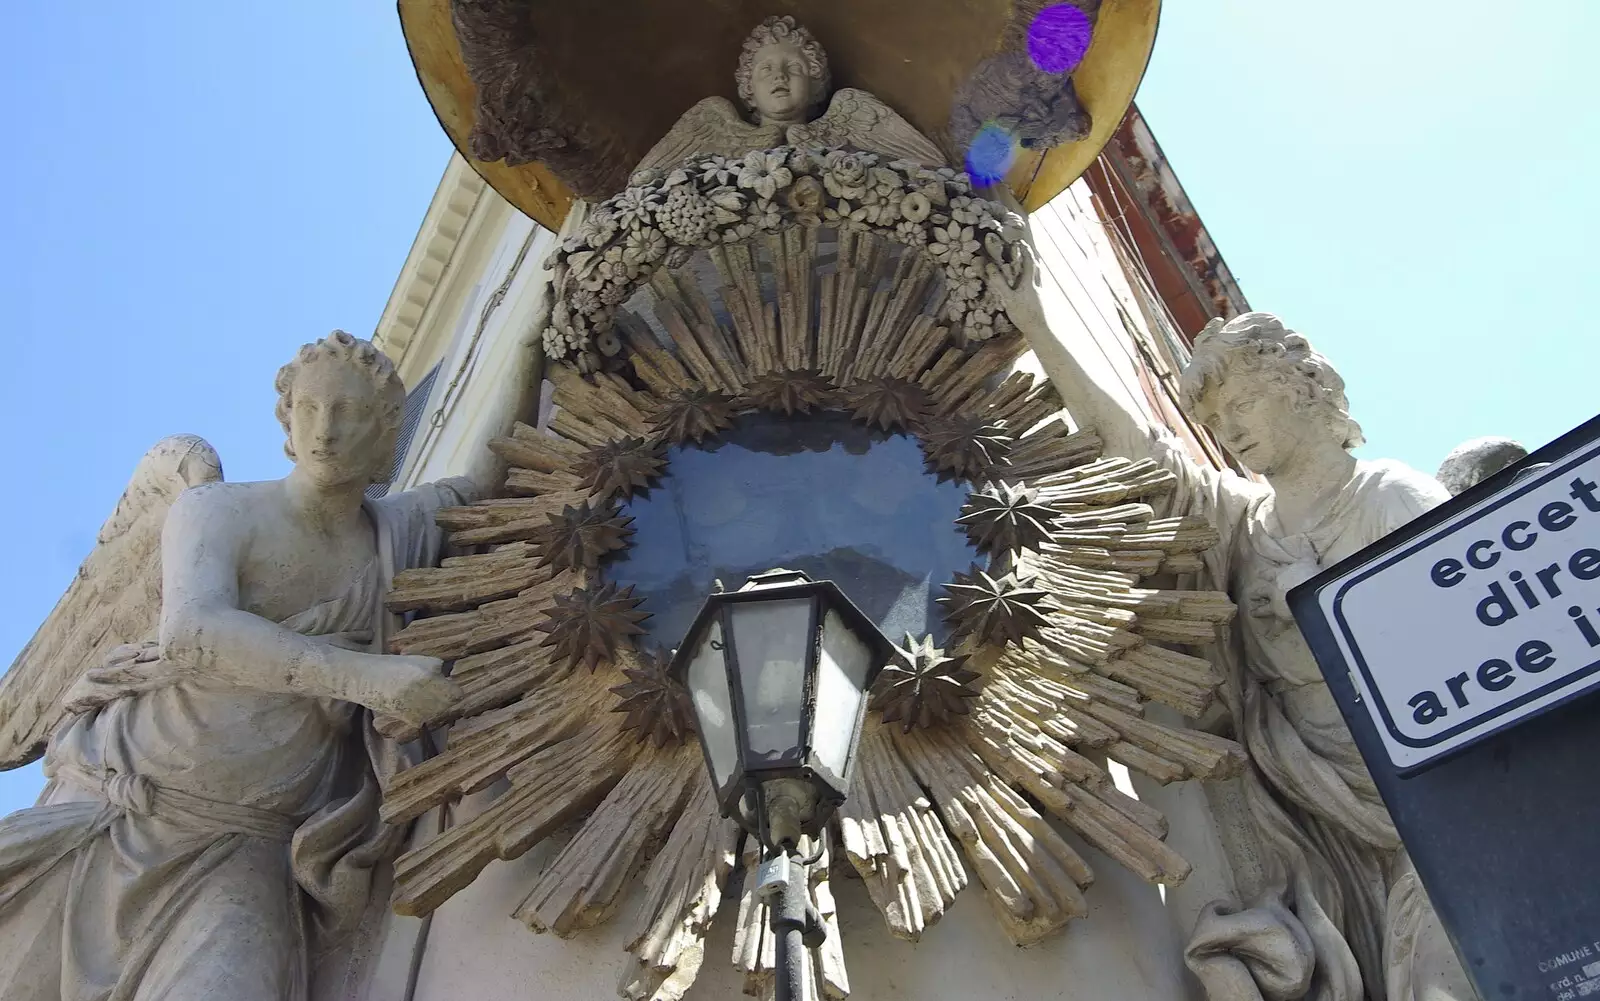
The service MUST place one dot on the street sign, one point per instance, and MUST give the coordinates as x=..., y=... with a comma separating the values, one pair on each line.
x=1461, y=650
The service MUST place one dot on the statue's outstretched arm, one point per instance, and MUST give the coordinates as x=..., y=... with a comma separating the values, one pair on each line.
x=204, y=631
x=1124, y=431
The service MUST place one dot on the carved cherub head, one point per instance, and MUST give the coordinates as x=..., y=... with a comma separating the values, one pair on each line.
x=340, y=403
x=1265, y=393
x=783, y=73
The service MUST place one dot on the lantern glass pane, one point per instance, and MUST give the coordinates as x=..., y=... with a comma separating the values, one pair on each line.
x=707, y=679
x=771, y=641
x=841, y=680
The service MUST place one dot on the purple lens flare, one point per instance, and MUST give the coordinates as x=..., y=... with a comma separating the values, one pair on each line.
x=991, y=155
x=1058, y=38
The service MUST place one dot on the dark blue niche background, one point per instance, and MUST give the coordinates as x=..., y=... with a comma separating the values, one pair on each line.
x=818, y=493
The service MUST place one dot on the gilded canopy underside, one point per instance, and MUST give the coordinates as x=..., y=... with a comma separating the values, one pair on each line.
x=621, y=73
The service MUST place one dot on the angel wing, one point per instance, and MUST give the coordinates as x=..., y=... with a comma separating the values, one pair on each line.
x=712, y=126
x=856, y=118
x=114, y=599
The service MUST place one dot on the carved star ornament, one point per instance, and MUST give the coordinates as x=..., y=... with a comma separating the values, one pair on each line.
x=1056, y=646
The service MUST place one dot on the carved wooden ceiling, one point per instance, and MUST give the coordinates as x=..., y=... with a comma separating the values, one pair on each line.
x=617, y=75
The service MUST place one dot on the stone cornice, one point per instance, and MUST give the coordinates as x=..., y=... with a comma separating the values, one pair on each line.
x=428, y=262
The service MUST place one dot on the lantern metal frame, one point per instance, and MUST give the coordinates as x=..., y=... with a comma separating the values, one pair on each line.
x=740, y=794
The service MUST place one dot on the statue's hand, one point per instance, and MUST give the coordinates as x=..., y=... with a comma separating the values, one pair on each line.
x=415, y=689
x=1021, y=300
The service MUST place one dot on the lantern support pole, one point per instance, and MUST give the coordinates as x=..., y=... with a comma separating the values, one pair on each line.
x=795, y=925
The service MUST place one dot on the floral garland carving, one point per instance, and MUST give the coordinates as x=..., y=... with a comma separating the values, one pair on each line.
x=718, y=200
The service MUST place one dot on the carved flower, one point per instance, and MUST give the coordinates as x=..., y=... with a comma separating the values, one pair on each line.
x=616, y=267
x=846, y=216
x=805, y=199
x=805, y=161
x=634, y=207
x=912, y=234
x=676, y=178
x=599, y=228
x=644, y=246
x=966, y=290
x=765, y=215
x=586, y=301
x=845, y=174
x=719, y=170
x=556, y=343
x=729, y=199
x=915, y=207
x=615, y=294
x=964, y=210
x=645, y=178
x=954, y=246
x=685, y=216
x=764, y=173
x=883, y=184
x=736, y=232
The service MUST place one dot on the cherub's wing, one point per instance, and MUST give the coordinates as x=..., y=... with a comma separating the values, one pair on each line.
x=857, y=119
x=711, y=127
x=114, y=599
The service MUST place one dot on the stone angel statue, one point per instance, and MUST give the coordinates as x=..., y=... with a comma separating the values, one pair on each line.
x=212, y=814
x=784, y=79
x=1343, y=916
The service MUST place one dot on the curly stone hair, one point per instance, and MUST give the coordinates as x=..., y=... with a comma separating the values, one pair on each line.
x=1259, y=342
x=783, y=30
x=374, y=364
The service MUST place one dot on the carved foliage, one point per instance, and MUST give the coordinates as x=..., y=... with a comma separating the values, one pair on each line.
x=714, y=200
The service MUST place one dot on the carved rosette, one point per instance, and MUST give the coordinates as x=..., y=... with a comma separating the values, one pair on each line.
x=582, y=535
x=588, y=626
x=924, y=687
x=965, y=446
x=797, y=391
x=692, y=413
x=1003, y=610
x=888, y=403
x=1003, y=518
x=657, y=706
x=622, y=468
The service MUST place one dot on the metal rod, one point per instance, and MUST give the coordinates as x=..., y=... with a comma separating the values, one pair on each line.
x=788, y=923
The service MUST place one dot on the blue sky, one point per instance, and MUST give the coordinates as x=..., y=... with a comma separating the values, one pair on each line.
x=197, y=189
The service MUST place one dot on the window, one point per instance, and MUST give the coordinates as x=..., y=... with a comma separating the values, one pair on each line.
x=416, y=403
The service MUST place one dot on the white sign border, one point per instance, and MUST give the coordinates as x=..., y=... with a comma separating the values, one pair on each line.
x=1330, y=598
